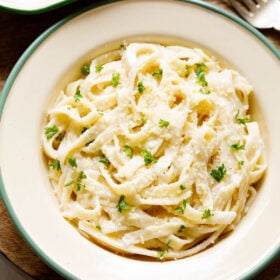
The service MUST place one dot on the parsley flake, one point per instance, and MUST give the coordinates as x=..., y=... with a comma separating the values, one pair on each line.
x=98, y=68
x=148, y=157
x=182, y=228
x=72, y=161
x=55, y=165
x=77, y=96
x=219, y=173
x=158, y=73
x=187, y=70
x=51, y=131
x=182, y=187
x=77, y=182
x=82, y=175
x=142, y=121
x=85, y=70
x=141, y=87
x=128, y=150
x=241, y=120
x=115, y=79
x=181, y=209
x=204, y=91
x=103, y=160
x=163, y=123
x=241, y=162
x=80, y=186
x=207, y=214
x=237, y=146
x=122, y=204
x=161, y=254
x=201, y=68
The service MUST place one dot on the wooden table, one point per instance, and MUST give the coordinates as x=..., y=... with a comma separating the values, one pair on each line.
x=16, y=33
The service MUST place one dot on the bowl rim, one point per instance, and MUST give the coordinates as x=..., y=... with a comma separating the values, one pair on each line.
x=24, y=58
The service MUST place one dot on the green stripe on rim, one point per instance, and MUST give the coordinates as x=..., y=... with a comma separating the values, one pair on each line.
x=20, y=63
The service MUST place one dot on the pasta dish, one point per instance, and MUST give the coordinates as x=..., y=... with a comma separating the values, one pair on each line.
x=152, y=151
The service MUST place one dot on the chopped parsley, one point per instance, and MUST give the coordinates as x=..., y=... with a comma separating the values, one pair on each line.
x=162, y=123
x=77, y=182
x=201, y=67
x=161, y=254
x=98, y=227
x=128, y=150
x=82, y=175
x=207, y=214
x=98, y=68
x=241, y=162
x=200, y=70
x=148, y=157
x=237, y=146
x=77, y=96
x=187, y=70
x=72, y=161
x=219, y=173
x=70, y=183
x=51, y=131
x=85, y=70
x=182, y=187
x=55, y=165
x=122, y=204
x=204, y=91
x=241, y=120
x=181, y=209
x=143, y=121
x=140, y=87
x=103, y=160
x=115, y=79
x=182, y=228
x=157, y=73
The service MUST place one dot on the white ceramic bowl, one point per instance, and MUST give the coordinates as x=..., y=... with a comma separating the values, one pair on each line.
x=51, y=61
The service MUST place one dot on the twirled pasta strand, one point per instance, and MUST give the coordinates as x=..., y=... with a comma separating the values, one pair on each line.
x=153, y=153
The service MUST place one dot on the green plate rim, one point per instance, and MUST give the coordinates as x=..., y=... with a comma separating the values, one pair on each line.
x=29, y=51
x=47, y=8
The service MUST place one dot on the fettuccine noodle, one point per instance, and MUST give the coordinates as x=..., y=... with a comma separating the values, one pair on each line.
x=152, y=151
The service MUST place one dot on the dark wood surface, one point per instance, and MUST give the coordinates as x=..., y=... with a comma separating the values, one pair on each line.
x=17, y=32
